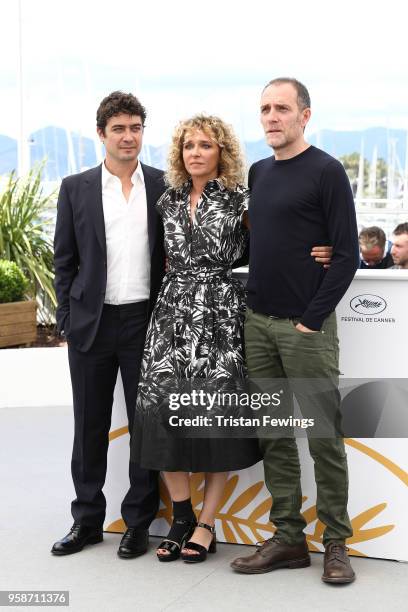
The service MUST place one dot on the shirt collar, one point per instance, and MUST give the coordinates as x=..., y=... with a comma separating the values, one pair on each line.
x=108, y=176
x=216, y=183
x=212, y=185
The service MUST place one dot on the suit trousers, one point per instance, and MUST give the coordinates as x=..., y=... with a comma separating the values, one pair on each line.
x=118, y=345
x=282, y=359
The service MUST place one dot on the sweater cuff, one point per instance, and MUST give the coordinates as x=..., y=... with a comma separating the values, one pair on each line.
x=312, y=321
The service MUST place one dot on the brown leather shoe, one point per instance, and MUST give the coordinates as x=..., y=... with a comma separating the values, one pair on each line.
x=337, y=568
x=273, y=554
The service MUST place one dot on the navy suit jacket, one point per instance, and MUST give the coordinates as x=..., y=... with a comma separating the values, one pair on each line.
x=80, y=252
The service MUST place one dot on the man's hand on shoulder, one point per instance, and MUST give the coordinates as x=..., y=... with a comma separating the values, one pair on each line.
x=322, y=254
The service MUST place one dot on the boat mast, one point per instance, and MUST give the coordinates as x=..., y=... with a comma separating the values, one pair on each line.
x=23, y=150
x=405, y=184
x=360, y=178
x=372, y=183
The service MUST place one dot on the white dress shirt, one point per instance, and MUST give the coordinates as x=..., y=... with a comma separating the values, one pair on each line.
x=127, y=242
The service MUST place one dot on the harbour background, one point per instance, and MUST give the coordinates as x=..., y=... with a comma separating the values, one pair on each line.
x=59, y=60
x=376, y=161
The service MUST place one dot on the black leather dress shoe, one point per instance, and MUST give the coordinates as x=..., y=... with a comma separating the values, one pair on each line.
x=134, y=543
x=78, y=537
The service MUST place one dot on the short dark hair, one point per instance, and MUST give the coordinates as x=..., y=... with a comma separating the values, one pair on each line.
x=303, y=97
x=118, y=102
x=370, y=237
x=402, y=228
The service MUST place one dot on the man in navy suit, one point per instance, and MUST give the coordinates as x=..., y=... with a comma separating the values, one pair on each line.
x=109, y=264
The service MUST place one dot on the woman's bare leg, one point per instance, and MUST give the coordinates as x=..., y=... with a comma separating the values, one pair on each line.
x=213, y=490
x=178, y=485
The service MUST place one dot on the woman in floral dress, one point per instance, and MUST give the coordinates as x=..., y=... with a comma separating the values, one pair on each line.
x=195, y=337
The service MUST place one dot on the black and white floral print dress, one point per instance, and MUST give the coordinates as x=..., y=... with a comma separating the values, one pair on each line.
x=196, y=331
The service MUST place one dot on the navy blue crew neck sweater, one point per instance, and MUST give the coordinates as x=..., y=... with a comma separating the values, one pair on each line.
x=296, y=204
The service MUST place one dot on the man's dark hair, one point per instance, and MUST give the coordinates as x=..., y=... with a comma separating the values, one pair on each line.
x=303, y=97
x=118, y=102
x=370, y=237
x=402, y=228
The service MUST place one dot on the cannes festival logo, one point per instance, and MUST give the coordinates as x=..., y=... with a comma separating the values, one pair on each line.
x=368, y=304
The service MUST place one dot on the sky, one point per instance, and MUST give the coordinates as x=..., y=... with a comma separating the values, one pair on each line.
x=184, y=56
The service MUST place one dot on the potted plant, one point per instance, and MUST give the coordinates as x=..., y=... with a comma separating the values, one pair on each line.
x=18, y=324
x=26, y=220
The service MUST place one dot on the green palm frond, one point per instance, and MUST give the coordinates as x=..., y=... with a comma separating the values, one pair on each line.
x=25, y=235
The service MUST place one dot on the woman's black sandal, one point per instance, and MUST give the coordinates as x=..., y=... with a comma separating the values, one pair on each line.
x=180, y=531
x=201, y=550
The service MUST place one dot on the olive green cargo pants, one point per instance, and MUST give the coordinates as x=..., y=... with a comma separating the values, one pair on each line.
x=275, y=349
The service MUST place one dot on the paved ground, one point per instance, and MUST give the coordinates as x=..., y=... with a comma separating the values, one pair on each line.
x=34, y=512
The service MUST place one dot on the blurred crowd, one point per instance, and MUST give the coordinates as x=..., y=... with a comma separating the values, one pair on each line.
x=377, y=252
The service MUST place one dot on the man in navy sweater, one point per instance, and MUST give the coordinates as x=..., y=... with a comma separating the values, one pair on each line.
x=301, y=196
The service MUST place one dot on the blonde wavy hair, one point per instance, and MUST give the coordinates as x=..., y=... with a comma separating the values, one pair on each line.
x=231, y=170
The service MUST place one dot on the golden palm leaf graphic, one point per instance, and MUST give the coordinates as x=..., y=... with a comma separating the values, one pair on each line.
x=236, y=528
x=359, y=533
